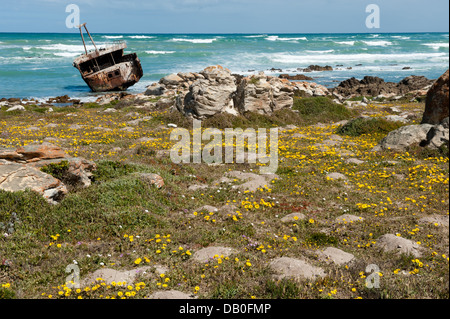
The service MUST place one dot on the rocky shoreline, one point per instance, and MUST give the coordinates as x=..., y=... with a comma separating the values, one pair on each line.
x=412, y=87
x=216, y=90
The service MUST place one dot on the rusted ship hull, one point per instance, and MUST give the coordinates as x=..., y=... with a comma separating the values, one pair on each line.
x=108, y=69
x=115, y=78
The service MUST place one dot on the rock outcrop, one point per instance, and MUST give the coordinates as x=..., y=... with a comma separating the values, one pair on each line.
x=375, y=86
x=21, y=169
x=433, y=132
x=210, y=95
x=215, y=90
x=263, y=94
x=317, y=68
x=437, y=102
x=310, y=89
x=427, y=135
x=296, y=77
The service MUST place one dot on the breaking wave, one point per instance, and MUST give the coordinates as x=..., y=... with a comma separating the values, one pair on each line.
x=194, y=40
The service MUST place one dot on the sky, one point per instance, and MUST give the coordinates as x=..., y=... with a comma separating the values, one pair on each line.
x=225, y=16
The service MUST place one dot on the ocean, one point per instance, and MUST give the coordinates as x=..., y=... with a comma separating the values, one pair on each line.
x=39, y=65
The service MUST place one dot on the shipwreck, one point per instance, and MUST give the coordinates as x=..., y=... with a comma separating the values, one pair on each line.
x=108, y=69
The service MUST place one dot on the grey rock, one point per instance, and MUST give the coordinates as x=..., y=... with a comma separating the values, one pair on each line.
x=111, y=275
x=206, y=254
x=170, y=294
x=399, y=245
x=16, y=108
x=336, y=176
x=440, y=220
x=171, y=79
x=404, y=136
x=209, y=96
x=336, y=256
x=348, y=218
x=297, y=269
x=292, y=218
x=156, y=89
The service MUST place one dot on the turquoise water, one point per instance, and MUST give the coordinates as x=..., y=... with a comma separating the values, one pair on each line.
x=40, y=65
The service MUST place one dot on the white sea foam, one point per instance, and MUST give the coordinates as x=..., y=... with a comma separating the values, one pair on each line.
x=68, y=49
x=113, y=36
x=353, y=58
x=66, y=54
x=380, y=43
x=159, y=52
x=320, y=52
x=39, y=68
x=255, y=36
x=277, y=38
x=62, y=47
x=346, y=42
x=193, y=40
x=141, y=37
x=437, y=46
x=400, y=37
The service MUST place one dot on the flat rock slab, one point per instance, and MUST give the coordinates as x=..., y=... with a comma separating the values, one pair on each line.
x=206, y=254
x=127, y=129
x=354, y=161
x=335, y=255
x=18, y=177
x=437, y=220
x=207, y=208
x=347, y=218
x=399, y=245
x=253, y=181
x=336, y=176
x=293, y=217
x=76, y=127
x=195, y=187
x=109, y=275
x=285, y=267
x=170, y=294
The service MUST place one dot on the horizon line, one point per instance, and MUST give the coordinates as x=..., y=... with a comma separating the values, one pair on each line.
x=224, y=33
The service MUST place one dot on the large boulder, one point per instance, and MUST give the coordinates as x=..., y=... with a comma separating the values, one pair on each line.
x=413, y=83
x=155, y=89
x=437, y=102
x=318, y=68
x=171, y=79
x=263, y=94
x=398, y=245
x=19, y=177
x=209, y=96
x=308, y=89
x=295, y=77
x=21, y=169
x=426, y=135
x=404, y=136
x=375, y=86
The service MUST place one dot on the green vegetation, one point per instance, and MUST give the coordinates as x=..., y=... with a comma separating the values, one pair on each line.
x=123, y=223
x=361, y=126
x=321, y=109
x=57, y=170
